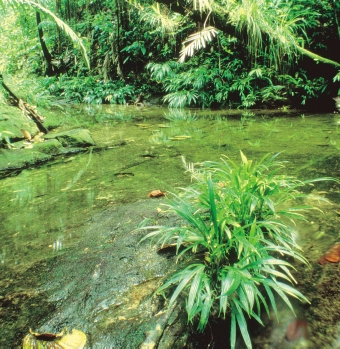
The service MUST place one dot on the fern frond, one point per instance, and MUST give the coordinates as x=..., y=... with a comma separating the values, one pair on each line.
x=196, y=41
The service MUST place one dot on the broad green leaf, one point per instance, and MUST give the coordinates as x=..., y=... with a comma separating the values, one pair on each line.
x=269, y=203
x=229, y=283
x=243, y=299
x=206, y=309
x=186, y=275
x=272, y=271
x=213, y=209
x=249, y=291
x=292, y=291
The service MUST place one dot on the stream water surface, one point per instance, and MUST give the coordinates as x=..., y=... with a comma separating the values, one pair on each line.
x=68, y=251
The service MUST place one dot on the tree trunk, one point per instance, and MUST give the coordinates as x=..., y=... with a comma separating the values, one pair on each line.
x=317, y=57
x=115, y=43
x=58, y=13
x=48, y=58
x=336, y=18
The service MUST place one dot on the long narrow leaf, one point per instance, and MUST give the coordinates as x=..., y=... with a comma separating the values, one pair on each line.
x=242, y=324
x=233, y=331
x=213, y=210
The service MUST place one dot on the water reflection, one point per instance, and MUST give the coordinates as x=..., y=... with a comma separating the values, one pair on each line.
x=45, y=206
x=39, y=204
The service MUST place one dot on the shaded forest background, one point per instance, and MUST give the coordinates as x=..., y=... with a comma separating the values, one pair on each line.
x=207, y=54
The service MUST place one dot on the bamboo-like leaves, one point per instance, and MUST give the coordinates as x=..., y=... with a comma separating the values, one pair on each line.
x=230, y=217
x=229, y=284
x=242, y=323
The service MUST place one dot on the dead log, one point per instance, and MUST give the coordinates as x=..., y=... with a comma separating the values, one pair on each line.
x=28, y=111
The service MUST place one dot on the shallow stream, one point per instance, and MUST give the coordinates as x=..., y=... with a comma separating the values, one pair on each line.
x=63, y=224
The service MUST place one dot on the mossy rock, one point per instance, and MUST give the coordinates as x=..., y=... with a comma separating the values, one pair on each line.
x=49, y=146
x=20, y=158
x=12, y=121
x=51, y=121
x=74, y=138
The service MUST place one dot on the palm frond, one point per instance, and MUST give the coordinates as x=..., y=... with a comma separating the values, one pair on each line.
x=160, y=72
x=196, y=41
x=61, y=24
x=202, y=5
x=160, y=18
x=181, y=99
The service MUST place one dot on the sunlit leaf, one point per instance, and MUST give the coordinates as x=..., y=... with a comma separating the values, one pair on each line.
x=74, y=340
x=197, y=41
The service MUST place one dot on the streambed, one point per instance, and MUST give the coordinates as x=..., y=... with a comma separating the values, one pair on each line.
x=69, y=250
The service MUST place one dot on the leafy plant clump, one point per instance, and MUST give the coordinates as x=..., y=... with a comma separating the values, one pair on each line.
x=234, y=241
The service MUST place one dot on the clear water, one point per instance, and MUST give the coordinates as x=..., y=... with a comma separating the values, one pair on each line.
x=43, y=209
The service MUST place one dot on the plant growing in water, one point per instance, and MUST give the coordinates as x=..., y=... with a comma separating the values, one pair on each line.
x=234, y=242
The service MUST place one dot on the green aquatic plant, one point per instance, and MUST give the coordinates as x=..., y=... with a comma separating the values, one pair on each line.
x=234, y=241
x=180, y=115
x=159, y=137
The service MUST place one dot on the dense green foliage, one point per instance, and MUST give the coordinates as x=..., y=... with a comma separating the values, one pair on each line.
x=234, y=242
x=208, y=54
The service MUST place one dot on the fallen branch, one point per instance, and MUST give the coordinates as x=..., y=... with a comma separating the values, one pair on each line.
x=29, y=111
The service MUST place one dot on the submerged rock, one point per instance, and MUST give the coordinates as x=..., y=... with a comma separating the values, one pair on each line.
x=105, y=285
x=23, y=154
x=49, y=146
x=73, y=138
x=17, y=159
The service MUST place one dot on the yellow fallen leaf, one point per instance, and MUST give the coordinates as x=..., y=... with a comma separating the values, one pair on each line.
x=74, y=340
